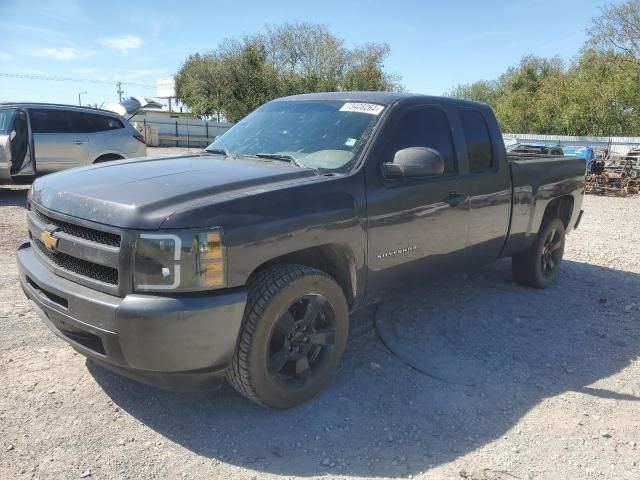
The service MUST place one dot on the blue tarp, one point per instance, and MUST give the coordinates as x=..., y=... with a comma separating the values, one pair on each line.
x=581, y=152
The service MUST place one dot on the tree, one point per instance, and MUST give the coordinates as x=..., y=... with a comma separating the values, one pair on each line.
x=617, y=31
x=248, y=80
x=365, y=70
x=231, y=81
x=598, y=93
x=603, y=96
x=483, y=91
x=307, y=51
x=517, y=95
x=519, y=89
x=195, y=88
x=288, y=59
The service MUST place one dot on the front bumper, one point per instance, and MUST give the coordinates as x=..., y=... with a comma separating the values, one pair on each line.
x=183, y=342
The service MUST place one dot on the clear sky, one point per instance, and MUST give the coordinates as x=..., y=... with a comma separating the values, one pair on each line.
x=434, y=44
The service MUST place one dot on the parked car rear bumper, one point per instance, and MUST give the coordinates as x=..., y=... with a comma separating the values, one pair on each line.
x=182, y=342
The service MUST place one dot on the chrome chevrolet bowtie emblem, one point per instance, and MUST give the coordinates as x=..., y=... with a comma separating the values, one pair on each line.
x=49, y=240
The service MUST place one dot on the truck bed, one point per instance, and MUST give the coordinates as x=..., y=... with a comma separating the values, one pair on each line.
x=535, y=180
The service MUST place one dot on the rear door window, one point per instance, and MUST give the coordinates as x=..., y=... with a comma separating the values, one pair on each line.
x=426, y=127
x=45, y=120
x=112, y=123
x=476, y=134
x=92, y=122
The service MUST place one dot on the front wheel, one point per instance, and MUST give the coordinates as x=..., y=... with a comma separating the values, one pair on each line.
x=538, y=266
x=294, y=333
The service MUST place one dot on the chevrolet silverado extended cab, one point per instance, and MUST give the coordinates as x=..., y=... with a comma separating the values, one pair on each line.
x=244, y=261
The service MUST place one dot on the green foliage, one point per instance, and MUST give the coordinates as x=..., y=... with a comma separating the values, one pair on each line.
x=287, y=59
x=231, y=81
x=603, y=96
x=617, y=30
x=598, y=93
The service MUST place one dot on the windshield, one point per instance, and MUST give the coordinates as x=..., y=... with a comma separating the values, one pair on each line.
x=324, y=135
x=6, y=117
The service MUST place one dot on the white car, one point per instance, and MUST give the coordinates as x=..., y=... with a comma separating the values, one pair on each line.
x=39, y=138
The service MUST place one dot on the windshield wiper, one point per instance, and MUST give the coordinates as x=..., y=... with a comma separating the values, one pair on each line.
x=281, y=156
x=220, y=151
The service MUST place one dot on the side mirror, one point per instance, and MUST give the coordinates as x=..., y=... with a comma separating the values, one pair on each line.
x=414, y=162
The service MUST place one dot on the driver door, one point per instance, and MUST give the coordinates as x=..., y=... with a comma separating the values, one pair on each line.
x=417, y=227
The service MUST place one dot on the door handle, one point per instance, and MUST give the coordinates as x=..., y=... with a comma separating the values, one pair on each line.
x=454, y=198
x=78, y=142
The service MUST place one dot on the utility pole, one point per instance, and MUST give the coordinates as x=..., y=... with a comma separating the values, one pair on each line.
x=80, y=98
x=120, y=92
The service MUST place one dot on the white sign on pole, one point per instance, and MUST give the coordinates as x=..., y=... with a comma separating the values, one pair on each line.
x=166, y=87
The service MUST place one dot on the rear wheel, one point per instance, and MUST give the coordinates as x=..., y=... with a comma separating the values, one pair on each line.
x=538, y=266
x=108, y=158
x=293, y=336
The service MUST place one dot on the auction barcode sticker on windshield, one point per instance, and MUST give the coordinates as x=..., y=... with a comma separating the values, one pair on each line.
x=370, y=108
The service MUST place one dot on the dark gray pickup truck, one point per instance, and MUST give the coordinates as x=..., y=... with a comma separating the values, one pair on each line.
x=244, y=261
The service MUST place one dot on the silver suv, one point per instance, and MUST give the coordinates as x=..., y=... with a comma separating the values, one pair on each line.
x=38, y=138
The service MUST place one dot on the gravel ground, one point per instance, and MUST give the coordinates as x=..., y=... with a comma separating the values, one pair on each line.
x=531, y=385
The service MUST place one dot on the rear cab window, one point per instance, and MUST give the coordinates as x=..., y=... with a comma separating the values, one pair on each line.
x=425, y=126
x=478, y=140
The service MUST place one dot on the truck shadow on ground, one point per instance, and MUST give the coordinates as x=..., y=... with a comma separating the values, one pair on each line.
x=383, y=418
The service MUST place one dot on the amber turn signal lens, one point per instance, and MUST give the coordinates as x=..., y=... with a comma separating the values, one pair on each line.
x=211, y=261
x=213, y=275
x=214, y=246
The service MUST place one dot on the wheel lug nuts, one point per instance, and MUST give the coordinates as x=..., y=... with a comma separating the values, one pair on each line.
x=290, y=348
x=298, y=349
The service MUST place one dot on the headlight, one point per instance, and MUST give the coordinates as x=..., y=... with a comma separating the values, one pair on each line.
x=182, y=261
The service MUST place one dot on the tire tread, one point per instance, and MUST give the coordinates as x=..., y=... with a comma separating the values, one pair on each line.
x=262, y=288
x=523, y=264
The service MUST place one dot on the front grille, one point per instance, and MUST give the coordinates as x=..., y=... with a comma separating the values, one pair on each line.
x=78, y=266
x=105, y=238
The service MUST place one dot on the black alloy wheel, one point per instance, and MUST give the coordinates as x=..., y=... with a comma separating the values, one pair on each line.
x=292, y=338
x=301, y=337
x=551, y=254
x=539, y=265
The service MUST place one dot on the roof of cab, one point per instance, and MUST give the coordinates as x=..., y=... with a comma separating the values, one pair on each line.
x=53, y=105
x=382, y=98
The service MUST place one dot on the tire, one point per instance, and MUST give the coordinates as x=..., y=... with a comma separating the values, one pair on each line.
x=293, y=313
x=538, y=266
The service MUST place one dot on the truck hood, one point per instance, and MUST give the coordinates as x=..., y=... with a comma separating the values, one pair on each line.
x=144, y=192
